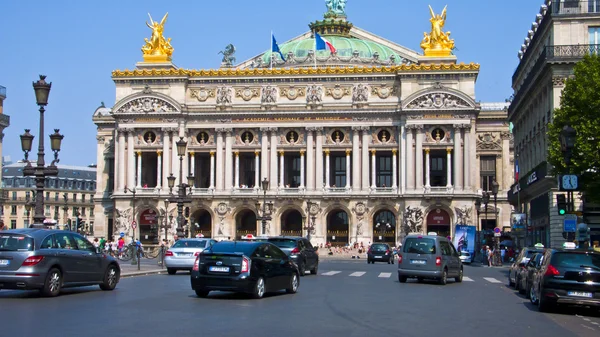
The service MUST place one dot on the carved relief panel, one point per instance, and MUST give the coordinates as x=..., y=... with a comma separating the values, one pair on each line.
x=383, y=136
x=291, y=137
x=202, y=138
x=148, y=138
x=338, y=136
x=246, y=137
x=438, y=134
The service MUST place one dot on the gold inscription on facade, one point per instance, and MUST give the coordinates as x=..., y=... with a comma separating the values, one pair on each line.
x=289, y=119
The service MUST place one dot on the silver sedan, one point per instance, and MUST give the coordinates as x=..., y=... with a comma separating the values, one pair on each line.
x=182, y=255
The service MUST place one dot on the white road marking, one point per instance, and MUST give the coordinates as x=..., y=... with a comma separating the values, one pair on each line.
x=358, y=273
x=467, y=279
x=330, y=273
x=491, y=280
x=385, y=275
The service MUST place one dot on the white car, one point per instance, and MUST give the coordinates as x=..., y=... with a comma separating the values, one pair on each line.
x=182, y=255
x=466, y=257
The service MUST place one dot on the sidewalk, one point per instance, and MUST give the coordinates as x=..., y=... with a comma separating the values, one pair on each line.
x=147, y=267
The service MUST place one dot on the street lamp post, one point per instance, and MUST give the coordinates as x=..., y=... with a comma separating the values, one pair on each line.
x=310, y=220
x=41, y=171
x=66, y=208
x=182, y=193
x=267, y=208
x=568, y=135
x=495, y=187
x=133, y=223
x=478, y=226
x=486, y=200
x=385, y=229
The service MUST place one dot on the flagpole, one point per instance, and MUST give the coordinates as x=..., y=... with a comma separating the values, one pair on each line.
x=271, y=58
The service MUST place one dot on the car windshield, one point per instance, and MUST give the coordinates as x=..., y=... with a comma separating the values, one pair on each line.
x=379, y=248
x=419, y=246
x=283, y=243
x=190, y=244
x=233, y=247
x=576, y=260
x=15, y=243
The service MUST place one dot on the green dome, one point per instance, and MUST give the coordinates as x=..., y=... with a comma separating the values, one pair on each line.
x=345, y=46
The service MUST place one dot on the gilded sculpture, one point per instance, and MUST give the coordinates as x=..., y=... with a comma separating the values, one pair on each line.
x=437, y=43
x=157, y=49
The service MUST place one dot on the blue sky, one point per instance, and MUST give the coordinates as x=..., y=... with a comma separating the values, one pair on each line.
x=78, y=43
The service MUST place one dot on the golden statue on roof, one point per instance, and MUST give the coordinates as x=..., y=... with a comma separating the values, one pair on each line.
x=437, y=43
x=157, y=49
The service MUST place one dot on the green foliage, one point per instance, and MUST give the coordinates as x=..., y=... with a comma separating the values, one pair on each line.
x=580, y=108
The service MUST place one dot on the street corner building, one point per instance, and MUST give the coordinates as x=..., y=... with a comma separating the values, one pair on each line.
x=360, y=140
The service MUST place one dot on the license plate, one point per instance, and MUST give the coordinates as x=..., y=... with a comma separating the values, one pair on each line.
x=378, y=257
x=580, y=294
x=184, y=254
x=417, y=261
x=4, y=262
x=219, y=269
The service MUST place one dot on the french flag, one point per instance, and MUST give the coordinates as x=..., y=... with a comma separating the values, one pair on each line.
x=517, y=170
x=322, y=44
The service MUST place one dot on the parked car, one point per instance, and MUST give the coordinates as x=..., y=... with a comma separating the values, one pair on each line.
x=49, y=260
x=249, y=267
x=567, y=276
x=300, y=250
x=380, y=252
x=466, y=257
x=527, y=274
x=429, y=257
x=514, y=272
x=183, y=253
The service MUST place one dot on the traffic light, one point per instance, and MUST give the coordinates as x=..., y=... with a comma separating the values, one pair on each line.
x=187, y=212
x=582, y=232
x=561, y=204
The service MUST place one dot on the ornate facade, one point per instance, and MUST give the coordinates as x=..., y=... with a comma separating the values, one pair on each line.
x=382, y=141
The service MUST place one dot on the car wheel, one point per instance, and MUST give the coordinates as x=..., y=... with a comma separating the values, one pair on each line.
x=315, y=269
x=302, y=268
x=201, y=293
x=111, y=278
x=532, y=296
x=53, y=283
x=259, y=288
x=402, y=279
x=444, y=278
x=293, y=286
x=459, y=278
x=171, y=271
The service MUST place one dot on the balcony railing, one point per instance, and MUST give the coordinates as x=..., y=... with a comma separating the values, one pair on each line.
x=572, y=7
x=2, y=92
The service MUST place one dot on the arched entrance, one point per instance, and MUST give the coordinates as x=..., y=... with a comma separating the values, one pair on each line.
x=438, y=221
x=201, y=223
x=291, y=223
x=337, y=228
x=148, y=227
x=384, y=227
x=245, y=223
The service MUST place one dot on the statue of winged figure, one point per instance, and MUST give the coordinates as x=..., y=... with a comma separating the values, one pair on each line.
x=337, y=7
x=157, y=45
x=437, y=39
x=413, y=220
x=228, y=58
x=463, y=215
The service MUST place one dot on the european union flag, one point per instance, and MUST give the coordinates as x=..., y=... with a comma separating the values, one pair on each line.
x=275, y=47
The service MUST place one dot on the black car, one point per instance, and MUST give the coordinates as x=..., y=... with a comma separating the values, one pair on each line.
x=528, y=273
x=300, y=250
x=567, y=277
x=380, y=252
x=248, y=267
x=514, y=272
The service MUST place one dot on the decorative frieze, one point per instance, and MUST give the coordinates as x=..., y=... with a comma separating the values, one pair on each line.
x=247, y=93
x=438, y=100
x=383, y=91
x=292, y=92
x=146, y=105
x=202, y=94
x=338, y=92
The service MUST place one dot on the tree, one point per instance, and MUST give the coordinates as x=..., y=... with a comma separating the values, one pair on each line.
x=580, y=108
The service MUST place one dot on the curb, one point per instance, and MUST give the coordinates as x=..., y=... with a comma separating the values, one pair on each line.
x=143, y=273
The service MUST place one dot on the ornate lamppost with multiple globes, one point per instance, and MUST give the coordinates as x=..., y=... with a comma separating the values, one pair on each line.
x=182, y=193
x=267, y=207
x=40, y=171
x=310, y=220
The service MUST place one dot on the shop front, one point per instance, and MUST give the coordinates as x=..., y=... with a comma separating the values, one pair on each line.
x=438, y=221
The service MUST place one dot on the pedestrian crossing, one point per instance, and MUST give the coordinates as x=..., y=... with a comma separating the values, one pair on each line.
x=384, y=275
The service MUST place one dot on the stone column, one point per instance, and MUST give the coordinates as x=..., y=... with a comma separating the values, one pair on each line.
x=310, y=159
x=256, y=169
x=175, y=157
x=301, y=168
x=219, y=171
x=373, y=168
x=427, y=169
x=193, y=164
x=158, y=169
x=274, y=177
x=327, y=179
x=356, y=158
x=410, y=162
x=212, y=170
x=365, y=158
x=281, y=168
x=237, y=169
x=139, y=169
x=264, y=160
x=457, y=158
x=166, y=157
x=506, y=167
x=130, y=160
x=419, y=159
x=466, y=157
x=228, y=160
x=348, y=168
x=121, y=169
x=319, y=159
x=394, y=169
x=449, y=167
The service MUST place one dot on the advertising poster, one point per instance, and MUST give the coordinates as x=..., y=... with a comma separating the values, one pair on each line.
x=464, y=238
x=517, y=221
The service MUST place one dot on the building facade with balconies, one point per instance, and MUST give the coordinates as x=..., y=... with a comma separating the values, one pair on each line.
x=381, y=140
x=563, y=32
x=4, y=123
x=67, y=196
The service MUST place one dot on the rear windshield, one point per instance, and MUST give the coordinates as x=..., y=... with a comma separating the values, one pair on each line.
x=463, y=253
x=529, y=253
x=576, y=260
x=246, y=248
x=419, y=246
x=15, y=243
x=190, y=244
x=379, y=248
x=283, y=243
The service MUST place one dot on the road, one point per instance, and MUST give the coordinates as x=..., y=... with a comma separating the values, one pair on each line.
x=346, y=299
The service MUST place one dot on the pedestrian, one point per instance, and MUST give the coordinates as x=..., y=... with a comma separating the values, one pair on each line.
x=489, y=256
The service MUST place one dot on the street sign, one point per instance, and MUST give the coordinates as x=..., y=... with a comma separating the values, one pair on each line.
x=570, y=223
x=134, y=224
x=497, y=230
x=497, y=234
